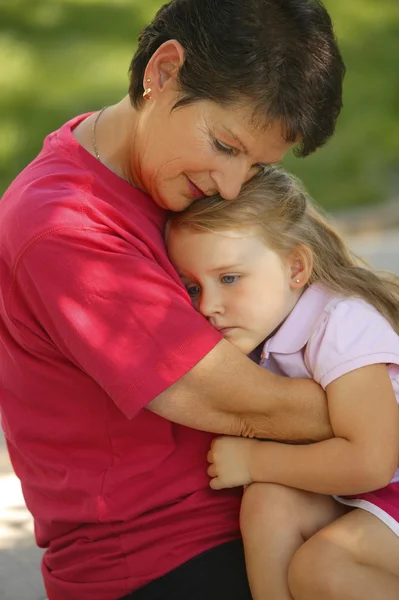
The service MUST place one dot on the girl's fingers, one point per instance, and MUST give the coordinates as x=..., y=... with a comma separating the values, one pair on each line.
x=212, y=471
x=215, y=484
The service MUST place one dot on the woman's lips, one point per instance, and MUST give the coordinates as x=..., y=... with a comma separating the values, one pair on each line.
x=195, y=190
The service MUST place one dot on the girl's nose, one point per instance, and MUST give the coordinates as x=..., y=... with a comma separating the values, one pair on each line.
x=210, y=304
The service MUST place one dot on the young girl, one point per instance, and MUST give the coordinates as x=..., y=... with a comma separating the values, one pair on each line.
x=319, y=521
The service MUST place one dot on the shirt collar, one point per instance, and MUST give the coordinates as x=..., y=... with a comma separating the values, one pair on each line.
x=294, y=333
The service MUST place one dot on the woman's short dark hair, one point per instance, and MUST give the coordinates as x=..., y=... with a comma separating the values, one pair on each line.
x=280, y=55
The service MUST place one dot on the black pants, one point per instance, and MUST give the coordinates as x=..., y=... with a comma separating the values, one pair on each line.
x=218, y=574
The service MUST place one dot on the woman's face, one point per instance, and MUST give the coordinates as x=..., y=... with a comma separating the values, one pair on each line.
x=199, y=150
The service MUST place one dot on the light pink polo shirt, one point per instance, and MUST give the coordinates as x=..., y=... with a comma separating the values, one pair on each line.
x=327, y=336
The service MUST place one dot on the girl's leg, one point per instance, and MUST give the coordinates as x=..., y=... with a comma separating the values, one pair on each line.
x=275, y=522
x=354, y=558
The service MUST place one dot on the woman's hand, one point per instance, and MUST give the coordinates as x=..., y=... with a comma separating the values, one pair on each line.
x=230, y=462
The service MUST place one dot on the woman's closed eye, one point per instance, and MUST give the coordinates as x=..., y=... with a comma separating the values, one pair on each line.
x=230, y=151
x=225, y=149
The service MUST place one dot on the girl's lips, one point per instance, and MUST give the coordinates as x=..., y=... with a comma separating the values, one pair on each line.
x=224, y=330
x=196, y=191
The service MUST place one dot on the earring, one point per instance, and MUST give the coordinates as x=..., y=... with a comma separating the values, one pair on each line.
x=147, y=91
x=296, y=280
x=147, y=94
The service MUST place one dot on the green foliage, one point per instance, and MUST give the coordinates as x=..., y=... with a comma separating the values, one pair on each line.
x=63, y=57
x=360, y=165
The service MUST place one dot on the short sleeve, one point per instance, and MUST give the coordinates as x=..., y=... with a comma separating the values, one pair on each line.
x=350, y=335
x=114, y=312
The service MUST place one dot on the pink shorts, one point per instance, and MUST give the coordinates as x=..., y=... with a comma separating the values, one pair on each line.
x=383, y=503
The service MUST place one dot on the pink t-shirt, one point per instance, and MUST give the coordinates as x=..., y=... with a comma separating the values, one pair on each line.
x=95, y=323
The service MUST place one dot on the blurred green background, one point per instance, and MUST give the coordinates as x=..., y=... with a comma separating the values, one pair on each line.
x=59, y=58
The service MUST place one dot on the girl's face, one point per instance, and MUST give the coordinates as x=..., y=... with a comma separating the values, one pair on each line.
x=199, y=150
x=243, y=287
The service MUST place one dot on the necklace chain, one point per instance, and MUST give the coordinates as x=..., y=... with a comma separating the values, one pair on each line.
x=94, y=143
x=93, y=133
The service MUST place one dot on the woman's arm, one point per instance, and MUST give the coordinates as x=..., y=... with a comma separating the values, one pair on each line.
x=362, y=457
x=228, y=393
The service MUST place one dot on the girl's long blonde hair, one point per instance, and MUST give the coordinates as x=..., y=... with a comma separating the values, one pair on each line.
x=276, y=202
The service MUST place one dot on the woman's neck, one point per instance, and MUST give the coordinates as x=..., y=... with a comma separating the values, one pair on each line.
x=109, y=136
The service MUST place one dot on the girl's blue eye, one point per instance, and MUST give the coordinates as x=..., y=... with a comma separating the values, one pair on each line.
x=224, y=149
x=229, y=279
x=193, y=290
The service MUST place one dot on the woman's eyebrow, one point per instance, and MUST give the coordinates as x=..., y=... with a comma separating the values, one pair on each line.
x=235, y=137
x=243, y=146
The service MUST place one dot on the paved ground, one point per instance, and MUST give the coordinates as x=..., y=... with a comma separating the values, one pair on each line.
x=379, y=248
x=19, y=558
x=20, y=577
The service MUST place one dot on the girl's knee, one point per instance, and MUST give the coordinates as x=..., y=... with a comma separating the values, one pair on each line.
x=315, y=571
x=265, y=503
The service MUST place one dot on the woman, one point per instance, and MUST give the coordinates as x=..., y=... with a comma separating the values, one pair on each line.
x=110, y=380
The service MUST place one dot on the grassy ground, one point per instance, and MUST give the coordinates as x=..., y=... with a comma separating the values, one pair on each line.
x=63, y=57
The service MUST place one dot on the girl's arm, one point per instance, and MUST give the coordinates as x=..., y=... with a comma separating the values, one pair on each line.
x=362, y=457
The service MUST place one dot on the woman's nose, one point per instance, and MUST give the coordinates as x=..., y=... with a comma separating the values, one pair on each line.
x=230, y=180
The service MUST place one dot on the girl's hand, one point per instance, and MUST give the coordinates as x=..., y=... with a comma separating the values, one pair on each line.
x=230, y=462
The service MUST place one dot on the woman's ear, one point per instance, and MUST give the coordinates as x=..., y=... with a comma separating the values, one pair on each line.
x=163, y=67
x=301, y=266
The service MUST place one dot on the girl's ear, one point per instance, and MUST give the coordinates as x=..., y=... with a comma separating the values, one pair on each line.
x=301, y=266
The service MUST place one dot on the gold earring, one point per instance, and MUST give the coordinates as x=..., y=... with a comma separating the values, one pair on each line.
x=147, y=94
x=147, y=91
